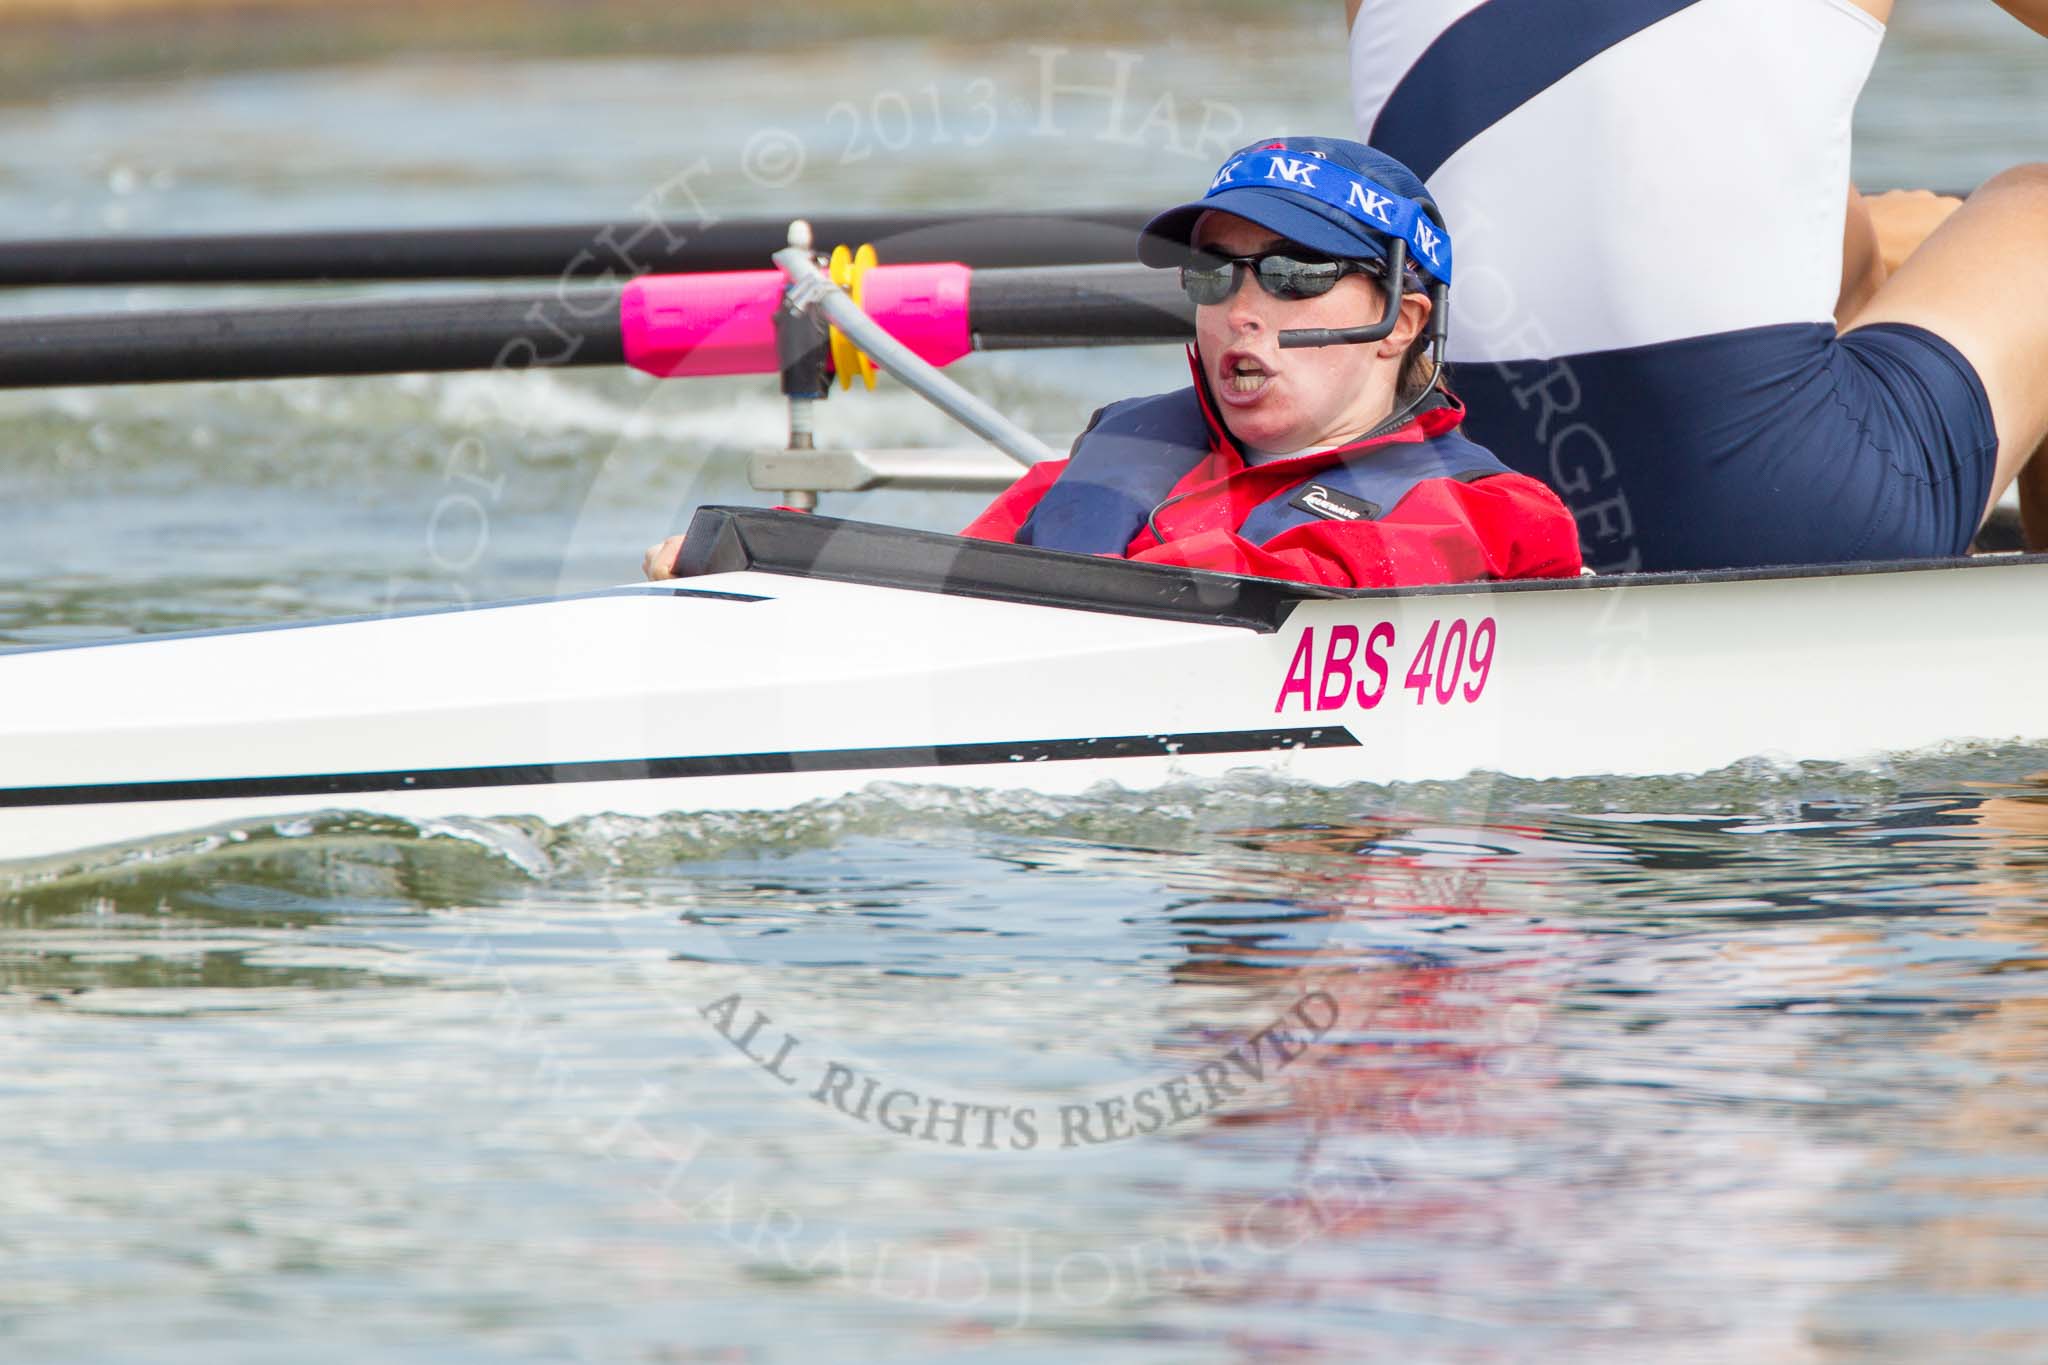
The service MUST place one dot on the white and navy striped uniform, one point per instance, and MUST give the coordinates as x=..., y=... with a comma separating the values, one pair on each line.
x=1647, y=200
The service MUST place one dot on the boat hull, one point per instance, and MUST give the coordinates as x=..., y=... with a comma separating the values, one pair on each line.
x=757, y=690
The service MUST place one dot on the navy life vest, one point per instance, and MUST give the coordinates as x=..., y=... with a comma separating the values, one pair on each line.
x=1133, y=453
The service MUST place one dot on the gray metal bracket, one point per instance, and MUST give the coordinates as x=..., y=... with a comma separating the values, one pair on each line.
x=982, y=470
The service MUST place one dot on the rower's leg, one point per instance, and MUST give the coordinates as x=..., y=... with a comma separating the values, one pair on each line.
x=1980, y=282
x=2033, y=485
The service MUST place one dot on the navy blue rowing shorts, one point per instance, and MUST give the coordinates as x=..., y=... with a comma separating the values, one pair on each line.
x=1776, y=445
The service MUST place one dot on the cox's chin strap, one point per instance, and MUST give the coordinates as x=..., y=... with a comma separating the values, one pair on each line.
x=1390, y=316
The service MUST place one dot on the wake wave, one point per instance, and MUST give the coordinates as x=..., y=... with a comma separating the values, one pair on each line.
x=1951, y=791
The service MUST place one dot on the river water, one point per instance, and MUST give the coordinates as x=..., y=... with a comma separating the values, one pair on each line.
x=1745, y=1066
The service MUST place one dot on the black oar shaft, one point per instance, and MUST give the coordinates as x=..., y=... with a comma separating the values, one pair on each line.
x=585, y=252
x=516, y=331
x=1008, y=310
x=1079, y=306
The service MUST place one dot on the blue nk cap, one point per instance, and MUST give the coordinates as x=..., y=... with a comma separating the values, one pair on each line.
x=1341, y=198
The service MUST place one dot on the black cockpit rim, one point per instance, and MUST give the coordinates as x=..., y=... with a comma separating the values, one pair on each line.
x=806, y=545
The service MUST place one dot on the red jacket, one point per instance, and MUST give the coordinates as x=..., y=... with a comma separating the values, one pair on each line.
x=1443, y=530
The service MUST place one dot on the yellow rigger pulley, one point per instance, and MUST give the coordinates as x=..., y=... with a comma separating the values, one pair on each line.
x=849, y=271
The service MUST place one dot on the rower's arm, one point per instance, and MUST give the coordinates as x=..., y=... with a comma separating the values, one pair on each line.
x=1862, y=263
x=2032, y=13
x=1880, y=232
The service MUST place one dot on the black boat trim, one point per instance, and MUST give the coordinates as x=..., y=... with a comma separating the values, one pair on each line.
x=700, y=765
x=805, y=545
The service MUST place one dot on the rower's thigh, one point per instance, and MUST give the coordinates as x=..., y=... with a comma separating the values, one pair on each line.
x=1980, y=282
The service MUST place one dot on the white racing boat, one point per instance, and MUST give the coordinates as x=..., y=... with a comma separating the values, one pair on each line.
x=800, y=658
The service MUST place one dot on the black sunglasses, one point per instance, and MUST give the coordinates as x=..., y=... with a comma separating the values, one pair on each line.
x=1212, y=279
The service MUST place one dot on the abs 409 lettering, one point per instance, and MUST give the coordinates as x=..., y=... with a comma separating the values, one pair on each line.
x=1344, y=667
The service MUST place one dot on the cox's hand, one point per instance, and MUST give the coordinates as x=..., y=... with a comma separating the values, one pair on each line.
x=660, y=560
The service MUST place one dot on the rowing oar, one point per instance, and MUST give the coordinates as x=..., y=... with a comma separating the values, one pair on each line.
x=586, y=252
x=668, y=325
x=574, y=252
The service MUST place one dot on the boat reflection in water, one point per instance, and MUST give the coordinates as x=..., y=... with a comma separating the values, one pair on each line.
x=1543, y=1088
